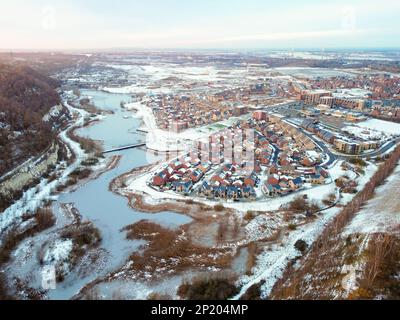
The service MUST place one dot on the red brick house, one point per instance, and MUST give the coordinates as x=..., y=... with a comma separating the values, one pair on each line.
x=273, y=179
x=160, y=179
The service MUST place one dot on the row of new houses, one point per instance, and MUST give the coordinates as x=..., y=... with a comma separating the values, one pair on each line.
x=281, y=182
x=290, y=166
x=348, y=146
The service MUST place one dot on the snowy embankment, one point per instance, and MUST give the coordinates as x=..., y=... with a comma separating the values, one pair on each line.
x=382, y=213
x=272, y=263
x=33, y=198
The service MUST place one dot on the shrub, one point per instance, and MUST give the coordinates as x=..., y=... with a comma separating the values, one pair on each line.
x=361, y=171
x=340, y=182
x=219, y=208
x=254, y=292
x=45, y=218
x=249, y=215
x=154, y=296
x=52, y=177
x=298, y=205
x=313, y=207
x=71, y=182
x=88, y=145
x=81, y=173
x=61, y=188
x=90, y=162
x=84, y=235
x=330, y=200
x=9, y=242
x=222, y=230
x=350, y=190
x=301, y=245
x=208, y=288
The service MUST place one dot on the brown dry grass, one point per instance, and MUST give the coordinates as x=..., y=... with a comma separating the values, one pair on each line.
x=252, y=257
x=90, y=146
x=171, y=249
x=84, y=236
x=382, y=267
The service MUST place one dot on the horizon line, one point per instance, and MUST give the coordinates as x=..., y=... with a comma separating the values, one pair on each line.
x=172, y=49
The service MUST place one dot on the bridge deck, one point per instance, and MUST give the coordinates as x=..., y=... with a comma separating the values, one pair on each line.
x=131, y=146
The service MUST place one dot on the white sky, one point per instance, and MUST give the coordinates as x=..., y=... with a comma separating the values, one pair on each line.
x=73, y=24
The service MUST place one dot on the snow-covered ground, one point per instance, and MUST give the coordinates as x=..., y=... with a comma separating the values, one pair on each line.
x=388, y=127
x=312, y=73
x=382, y=213
x=149, y=76
x=58, y=252
x=273, y=261
x=263, y=227
x=366, y=134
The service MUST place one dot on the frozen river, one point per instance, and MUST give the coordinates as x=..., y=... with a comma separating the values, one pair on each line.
x=108, y=211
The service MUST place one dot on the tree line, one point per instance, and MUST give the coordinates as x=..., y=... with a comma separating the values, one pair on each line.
x=25, y=97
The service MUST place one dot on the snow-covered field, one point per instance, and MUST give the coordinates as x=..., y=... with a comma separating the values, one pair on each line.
x=390, y=128
x=150, y=75
x=312, y=73
x=366, y=134
x=263, y=227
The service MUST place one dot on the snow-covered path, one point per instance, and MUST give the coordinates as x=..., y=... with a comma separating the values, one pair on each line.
x=33, y=198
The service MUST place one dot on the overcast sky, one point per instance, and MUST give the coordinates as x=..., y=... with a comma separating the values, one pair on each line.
x=100, y=24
